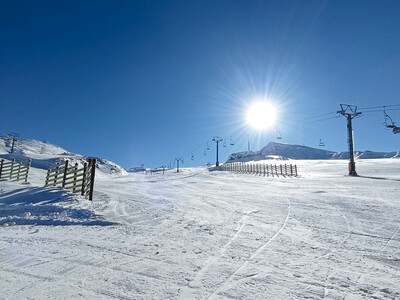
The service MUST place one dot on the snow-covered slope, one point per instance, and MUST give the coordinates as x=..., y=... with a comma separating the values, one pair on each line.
x=303, y=152
x=207, y=235
x=44, y=155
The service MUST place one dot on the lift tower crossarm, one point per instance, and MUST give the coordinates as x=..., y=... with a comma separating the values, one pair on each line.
x=350, y=112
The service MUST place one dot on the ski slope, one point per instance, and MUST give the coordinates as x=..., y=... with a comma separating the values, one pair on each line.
x=206, y=235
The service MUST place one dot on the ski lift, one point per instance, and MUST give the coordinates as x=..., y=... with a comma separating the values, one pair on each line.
x=389, y=122
x=321, y=143
x=224, y=143
x=205, y=152
x=208, y=146
x=278, y=134
x=192, y=157
x=232, y=142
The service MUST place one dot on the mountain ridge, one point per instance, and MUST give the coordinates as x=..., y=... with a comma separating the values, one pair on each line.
x=275, y=150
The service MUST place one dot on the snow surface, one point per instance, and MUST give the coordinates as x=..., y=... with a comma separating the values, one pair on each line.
x=206, y=235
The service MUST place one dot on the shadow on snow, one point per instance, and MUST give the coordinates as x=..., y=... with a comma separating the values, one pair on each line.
x=44, y=206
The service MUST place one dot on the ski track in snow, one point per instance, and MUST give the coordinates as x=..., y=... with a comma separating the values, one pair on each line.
x=254, y=255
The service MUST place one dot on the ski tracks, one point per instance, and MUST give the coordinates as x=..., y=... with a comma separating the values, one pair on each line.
x=212, y=261
x=256, y=253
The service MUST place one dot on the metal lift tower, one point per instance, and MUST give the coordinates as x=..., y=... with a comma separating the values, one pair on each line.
x=350, y=112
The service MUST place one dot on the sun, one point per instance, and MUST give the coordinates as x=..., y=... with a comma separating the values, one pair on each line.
x=261, y=115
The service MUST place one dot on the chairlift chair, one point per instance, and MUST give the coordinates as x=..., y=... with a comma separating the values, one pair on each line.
x=208, y=146
x=278, y=134
x=232, y=142
x=321, y=143
x=192, y=157
x=224, y=143
x=389, y=123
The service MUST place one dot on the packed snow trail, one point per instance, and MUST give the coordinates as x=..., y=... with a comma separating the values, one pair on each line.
x=200, y=234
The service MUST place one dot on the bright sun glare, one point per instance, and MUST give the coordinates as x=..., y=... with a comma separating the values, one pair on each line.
x=261, y=115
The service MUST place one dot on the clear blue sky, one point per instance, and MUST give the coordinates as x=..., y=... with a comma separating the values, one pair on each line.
x=146, y=81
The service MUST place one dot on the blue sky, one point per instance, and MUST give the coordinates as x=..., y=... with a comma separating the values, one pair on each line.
x=146, y=81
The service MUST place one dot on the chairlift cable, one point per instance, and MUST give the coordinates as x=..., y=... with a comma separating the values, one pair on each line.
x=335, y=117
x=393, y=105
x=322, y=115
x=381, y=110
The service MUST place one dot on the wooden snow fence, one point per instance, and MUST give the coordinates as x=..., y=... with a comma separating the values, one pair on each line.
x=13, y=170
x=78, y=180
x=261, y=169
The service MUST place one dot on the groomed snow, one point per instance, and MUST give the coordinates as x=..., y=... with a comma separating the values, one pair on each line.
x=206, y=235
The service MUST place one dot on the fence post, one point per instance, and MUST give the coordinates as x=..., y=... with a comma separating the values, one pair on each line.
x=281, y=168
x=47, y=177
x=1, y=166
x=19, y=170
x=56, y=175
x=75, y=177
x=65, y=173
x=12, y=167
x=92, y=162
x=291, y=170
x=27, y=169
x=84, y=179
x=295, y=169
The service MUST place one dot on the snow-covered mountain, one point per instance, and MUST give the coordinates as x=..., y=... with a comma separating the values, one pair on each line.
x=285, y=151
x=44, y=155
